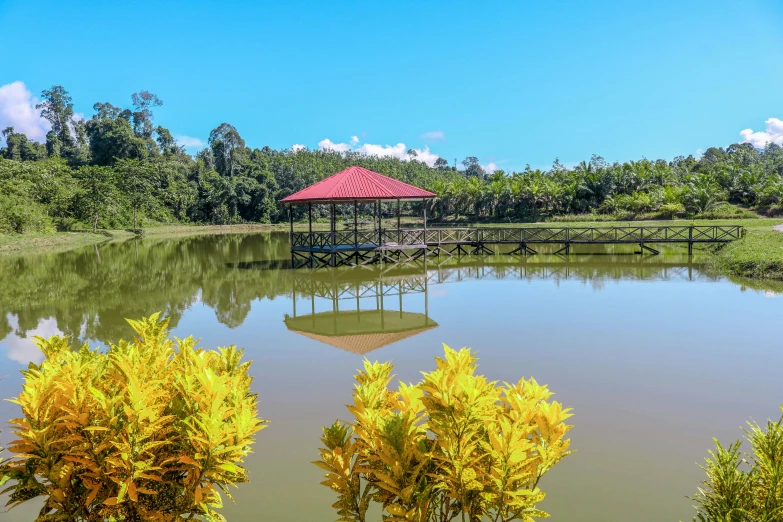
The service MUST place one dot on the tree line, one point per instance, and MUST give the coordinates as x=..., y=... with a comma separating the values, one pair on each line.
x=118, y=167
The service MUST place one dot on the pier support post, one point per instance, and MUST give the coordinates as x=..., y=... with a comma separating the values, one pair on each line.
x=291, y=221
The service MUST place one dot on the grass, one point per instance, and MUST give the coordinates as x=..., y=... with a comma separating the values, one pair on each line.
x=759, y=255
x=49, y=242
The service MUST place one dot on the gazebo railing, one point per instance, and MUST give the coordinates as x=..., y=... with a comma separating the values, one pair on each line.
x=517, y=235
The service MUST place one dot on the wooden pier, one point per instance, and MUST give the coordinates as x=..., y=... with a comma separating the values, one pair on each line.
x=361, y=247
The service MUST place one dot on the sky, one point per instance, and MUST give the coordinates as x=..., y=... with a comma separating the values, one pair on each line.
x=511, y=83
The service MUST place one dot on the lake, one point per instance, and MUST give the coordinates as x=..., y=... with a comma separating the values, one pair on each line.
x=655, y=355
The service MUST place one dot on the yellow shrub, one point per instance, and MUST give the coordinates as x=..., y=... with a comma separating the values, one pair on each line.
x=152, y=429
x=452, y=445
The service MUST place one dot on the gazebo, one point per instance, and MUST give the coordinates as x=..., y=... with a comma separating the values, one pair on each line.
x=354, y=247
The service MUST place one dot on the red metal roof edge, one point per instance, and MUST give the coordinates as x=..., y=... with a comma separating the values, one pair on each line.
x=366, y=174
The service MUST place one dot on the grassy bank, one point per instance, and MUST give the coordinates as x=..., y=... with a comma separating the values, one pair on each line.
x=36, y=242
x=758, y=256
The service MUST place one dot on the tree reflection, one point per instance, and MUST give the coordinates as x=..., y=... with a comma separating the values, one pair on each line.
x=91, y=291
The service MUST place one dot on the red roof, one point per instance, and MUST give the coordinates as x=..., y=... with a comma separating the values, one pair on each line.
x=357, y=183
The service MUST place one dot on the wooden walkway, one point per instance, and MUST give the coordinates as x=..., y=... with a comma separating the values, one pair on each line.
x=360, y=247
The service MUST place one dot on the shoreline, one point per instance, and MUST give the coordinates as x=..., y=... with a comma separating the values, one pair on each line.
x=55, y=242
x=758, y=256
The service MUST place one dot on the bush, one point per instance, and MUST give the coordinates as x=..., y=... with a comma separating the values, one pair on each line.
x=735, y=493
x=453, y=444
x=148, y=430
x=726, y=211
x=18, y=216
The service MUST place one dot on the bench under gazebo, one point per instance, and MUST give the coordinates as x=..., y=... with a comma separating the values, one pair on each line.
x=355, y=246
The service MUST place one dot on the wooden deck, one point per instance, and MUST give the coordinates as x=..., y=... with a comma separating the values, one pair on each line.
x=359, y=247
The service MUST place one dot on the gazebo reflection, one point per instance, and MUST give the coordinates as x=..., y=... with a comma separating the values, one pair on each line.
x=364, y=314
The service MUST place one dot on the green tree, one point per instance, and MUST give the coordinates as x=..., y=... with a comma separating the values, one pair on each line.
x=57, y=108
x=143, y=103
x=227, y=147
x=135, y=184
x=112, y=139
x=97, y=191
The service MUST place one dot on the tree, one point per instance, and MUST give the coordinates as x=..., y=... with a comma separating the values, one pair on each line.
x=57, y=108
x=97, y=191
x=472, y=167
x=453, y=445
x=441, y=163
x=13, y=144
x=135, y=184
x=112, y=139
x=106, y=111
x=144, y=102
x=227, y=146
x=166, y=142
x=152, y=429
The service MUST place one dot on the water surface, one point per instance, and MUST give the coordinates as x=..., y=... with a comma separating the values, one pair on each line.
x=654, y=355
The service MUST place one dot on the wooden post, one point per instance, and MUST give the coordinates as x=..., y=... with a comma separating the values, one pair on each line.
x=293, y=298
x=333, y=225
x=291, y=221
x=425, y=222
x=398, y=221
x=334, y=231
x=355, y=225
x=310, y=222
x=380, y=231
x=690, y=240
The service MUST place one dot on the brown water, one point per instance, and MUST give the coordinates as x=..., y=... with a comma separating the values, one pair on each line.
x=654, y=355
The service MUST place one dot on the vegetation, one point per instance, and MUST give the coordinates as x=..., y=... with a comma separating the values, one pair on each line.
x=453, y=446
x=118, y=169
x=153, y=429
x=759, y=255
x=744, y=487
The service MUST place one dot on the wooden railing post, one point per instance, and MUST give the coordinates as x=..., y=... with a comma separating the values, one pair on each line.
x=690, y=240
x=310, y=224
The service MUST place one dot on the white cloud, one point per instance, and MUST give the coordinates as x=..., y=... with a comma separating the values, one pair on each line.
x=773, y=134
x=17, y=109
x=187, y=141
x=22, y=349
x=399, y=150
x=489, y=168
x=433, y=136
x=296, y=147
x=699, y=152
x=328, y=144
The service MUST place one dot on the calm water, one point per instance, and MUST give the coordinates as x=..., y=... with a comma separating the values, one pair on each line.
x=655, y=356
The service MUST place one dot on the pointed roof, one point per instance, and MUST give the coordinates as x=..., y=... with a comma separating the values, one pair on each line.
x=356, y=184
x=360, y=332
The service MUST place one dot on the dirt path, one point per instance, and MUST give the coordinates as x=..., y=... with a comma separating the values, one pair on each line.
x=779, y=228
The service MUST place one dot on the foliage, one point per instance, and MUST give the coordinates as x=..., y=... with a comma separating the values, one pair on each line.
x=453, y=445
x=744, y=487
x=230, y=182
x=153, y=429
x=758, y=255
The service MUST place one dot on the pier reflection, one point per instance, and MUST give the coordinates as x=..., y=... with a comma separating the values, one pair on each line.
x=364, y=313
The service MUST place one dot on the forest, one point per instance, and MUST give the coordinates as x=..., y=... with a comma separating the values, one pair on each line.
x=119, y=170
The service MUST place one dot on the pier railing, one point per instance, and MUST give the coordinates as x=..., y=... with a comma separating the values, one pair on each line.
x=516, y=235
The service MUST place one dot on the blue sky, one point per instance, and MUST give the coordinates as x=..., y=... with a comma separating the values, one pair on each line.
x=509, y=82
